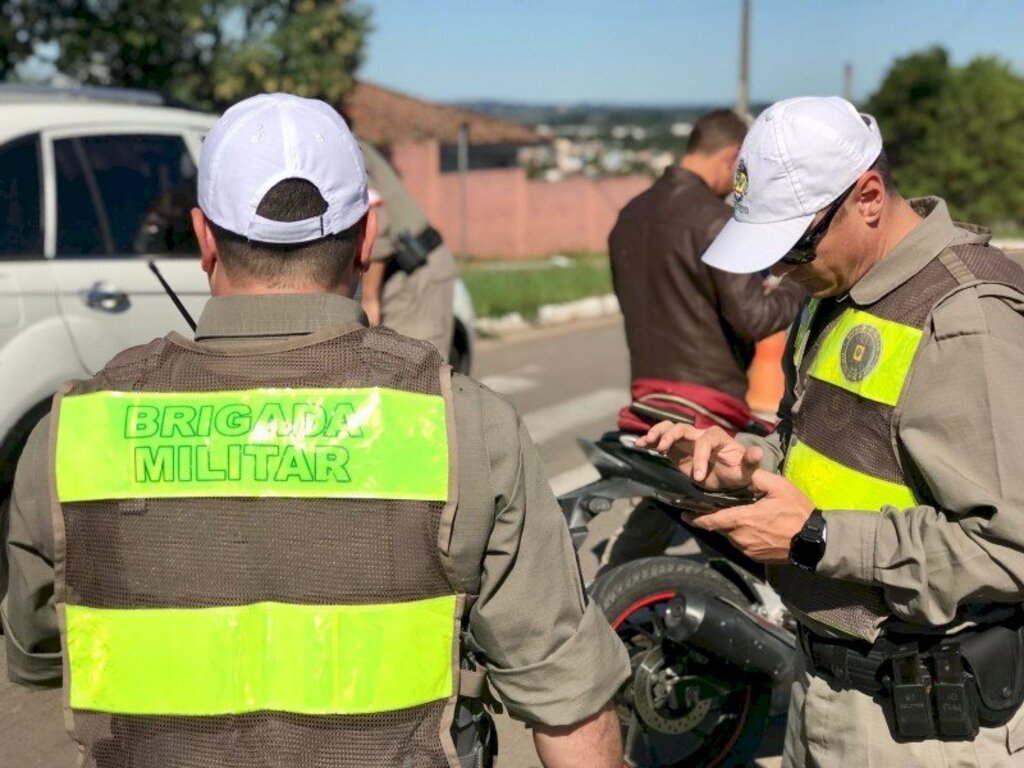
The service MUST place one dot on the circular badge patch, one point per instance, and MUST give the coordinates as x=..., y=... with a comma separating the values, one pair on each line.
x=861, y=349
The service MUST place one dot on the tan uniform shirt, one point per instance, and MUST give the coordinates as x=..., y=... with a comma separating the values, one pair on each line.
x=552, y=658
x=961, y=425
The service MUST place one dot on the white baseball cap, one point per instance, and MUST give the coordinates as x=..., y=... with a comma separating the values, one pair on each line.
x=799, y=156
x=272, y=137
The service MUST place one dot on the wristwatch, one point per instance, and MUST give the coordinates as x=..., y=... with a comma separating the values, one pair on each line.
x=808, y=546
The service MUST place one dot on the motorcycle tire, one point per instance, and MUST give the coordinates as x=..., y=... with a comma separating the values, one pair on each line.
x=713, y=732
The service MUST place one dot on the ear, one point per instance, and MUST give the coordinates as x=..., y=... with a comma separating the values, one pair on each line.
x=726, y=159
x=207, y=243
x=870, y=197
x=367, y=239
x=730, y=156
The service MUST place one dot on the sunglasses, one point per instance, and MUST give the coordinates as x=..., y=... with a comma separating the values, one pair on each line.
x=804, y=251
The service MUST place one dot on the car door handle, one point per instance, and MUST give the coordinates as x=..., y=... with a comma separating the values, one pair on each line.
x=107, y=298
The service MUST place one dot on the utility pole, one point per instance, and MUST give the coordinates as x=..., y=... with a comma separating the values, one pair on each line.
x=848, y=82
x=743, y=91
x=463, y=192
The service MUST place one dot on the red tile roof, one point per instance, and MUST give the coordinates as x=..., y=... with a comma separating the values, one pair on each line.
x=382, y=116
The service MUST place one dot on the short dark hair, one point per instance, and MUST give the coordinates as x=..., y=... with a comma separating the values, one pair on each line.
x=884, y=169
x=325, y=262
x=715, y=130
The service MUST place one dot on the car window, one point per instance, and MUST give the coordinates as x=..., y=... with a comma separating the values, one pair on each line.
x=124, y=195
x=21, y=231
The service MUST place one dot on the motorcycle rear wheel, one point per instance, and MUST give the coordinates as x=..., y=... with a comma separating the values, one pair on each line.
x=722, y=725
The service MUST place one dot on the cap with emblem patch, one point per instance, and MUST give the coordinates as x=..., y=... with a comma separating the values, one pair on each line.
x=799, y=156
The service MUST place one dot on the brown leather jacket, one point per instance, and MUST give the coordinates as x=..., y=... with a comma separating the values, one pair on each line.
x=686, y=321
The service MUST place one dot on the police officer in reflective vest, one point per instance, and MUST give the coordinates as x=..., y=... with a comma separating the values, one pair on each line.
x=290, y=541
x=892, y=497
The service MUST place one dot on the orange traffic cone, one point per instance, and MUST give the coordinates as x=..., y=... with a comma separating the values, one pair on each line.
x=767, y=382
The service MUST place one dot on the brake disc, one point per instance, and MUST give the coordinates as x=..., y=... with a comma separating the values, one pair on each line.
x=654, y=685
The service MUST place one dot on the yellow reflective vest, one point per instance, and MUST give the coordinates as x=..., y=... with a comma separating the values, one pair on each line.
x=851, y=367
x=247, y=554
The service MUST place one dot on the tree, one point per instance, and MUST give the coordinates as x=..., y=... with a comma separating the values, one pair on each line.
x=957, y=132
x=308, y=47
x=15, y=40
x=207, y=53
x=907, y=102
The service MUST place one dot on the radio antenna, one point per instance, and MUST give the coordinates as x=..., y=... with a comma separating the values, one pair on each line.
x=173, y=296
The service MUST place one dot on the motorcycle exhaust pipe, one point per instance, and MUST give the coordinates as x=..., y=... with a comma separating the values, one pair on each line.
x=730, y=632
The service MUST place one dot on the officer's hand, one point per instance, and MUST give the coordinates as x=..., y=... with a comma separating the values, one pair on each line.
x=763, y=530
x=708, y=456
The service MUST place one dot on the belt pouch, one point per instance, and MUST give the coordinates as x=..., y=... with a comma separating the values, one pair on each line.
x=910, y=700
x=995, y=658
x=954, y=695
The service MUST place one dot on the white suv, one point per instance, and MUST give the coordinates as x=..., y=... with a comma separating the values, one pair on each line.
x=94, y=184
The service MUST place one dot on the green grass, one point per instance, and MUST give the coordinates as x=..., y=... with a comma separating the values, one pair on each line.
x=1008, y=233
x=501, y=287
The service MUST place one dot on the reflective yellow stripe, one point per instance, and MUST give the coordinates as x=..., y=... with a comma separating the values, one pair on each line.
x=343, y=443
x=884, y=377
x=831, y=485
x=307, y=659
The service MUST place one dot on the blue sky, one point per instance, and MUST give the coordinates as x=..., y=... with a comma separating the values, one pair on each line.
x=667, y=51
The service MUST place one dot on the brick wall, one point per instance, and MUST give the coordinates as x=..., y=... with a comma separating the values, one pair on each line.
x=419, y=165
x=510, y=216
x=495, y=202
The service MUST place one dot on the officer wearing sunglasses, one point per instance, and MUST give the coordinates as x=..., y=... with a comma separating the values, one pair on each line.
x=891, y=501
x=803, y=251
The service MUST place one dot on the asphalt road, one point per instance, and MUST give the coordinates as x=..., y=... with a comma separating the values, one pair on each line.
x=566, y=382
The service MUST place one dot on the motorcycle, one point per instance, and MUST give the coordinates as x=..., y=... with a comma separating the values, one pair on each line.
x=709, y=640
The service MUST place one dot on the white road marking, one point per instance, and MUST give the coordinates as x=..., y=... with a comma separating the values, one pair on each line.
x=573, y=478
x=508, y=385
x=567, y=415
x=512, y=382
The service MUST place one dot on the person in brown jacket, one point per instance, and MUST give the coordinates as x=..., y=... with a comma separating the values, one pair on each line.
x=686, y=321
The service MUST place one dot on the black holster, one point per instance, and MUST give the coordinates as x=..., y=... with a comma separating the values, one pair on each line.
x=994, y=657
x=476, y=740
x=473, y=731
x=412, y=251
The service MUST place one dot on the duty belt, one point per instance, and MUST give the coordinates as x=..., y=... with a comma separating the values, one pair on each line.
x=870, y=668
x=928, y=693
x=934, y=686
x=850, y=664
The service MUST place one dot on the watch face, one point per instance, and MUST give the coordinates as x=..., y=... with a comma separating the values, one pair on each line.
x=808, y=546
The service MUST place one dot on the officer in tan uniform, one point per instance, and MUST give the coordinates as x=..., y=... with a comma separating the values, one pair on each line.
x=411, y=280
x=892, y=501
x=296, y=540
